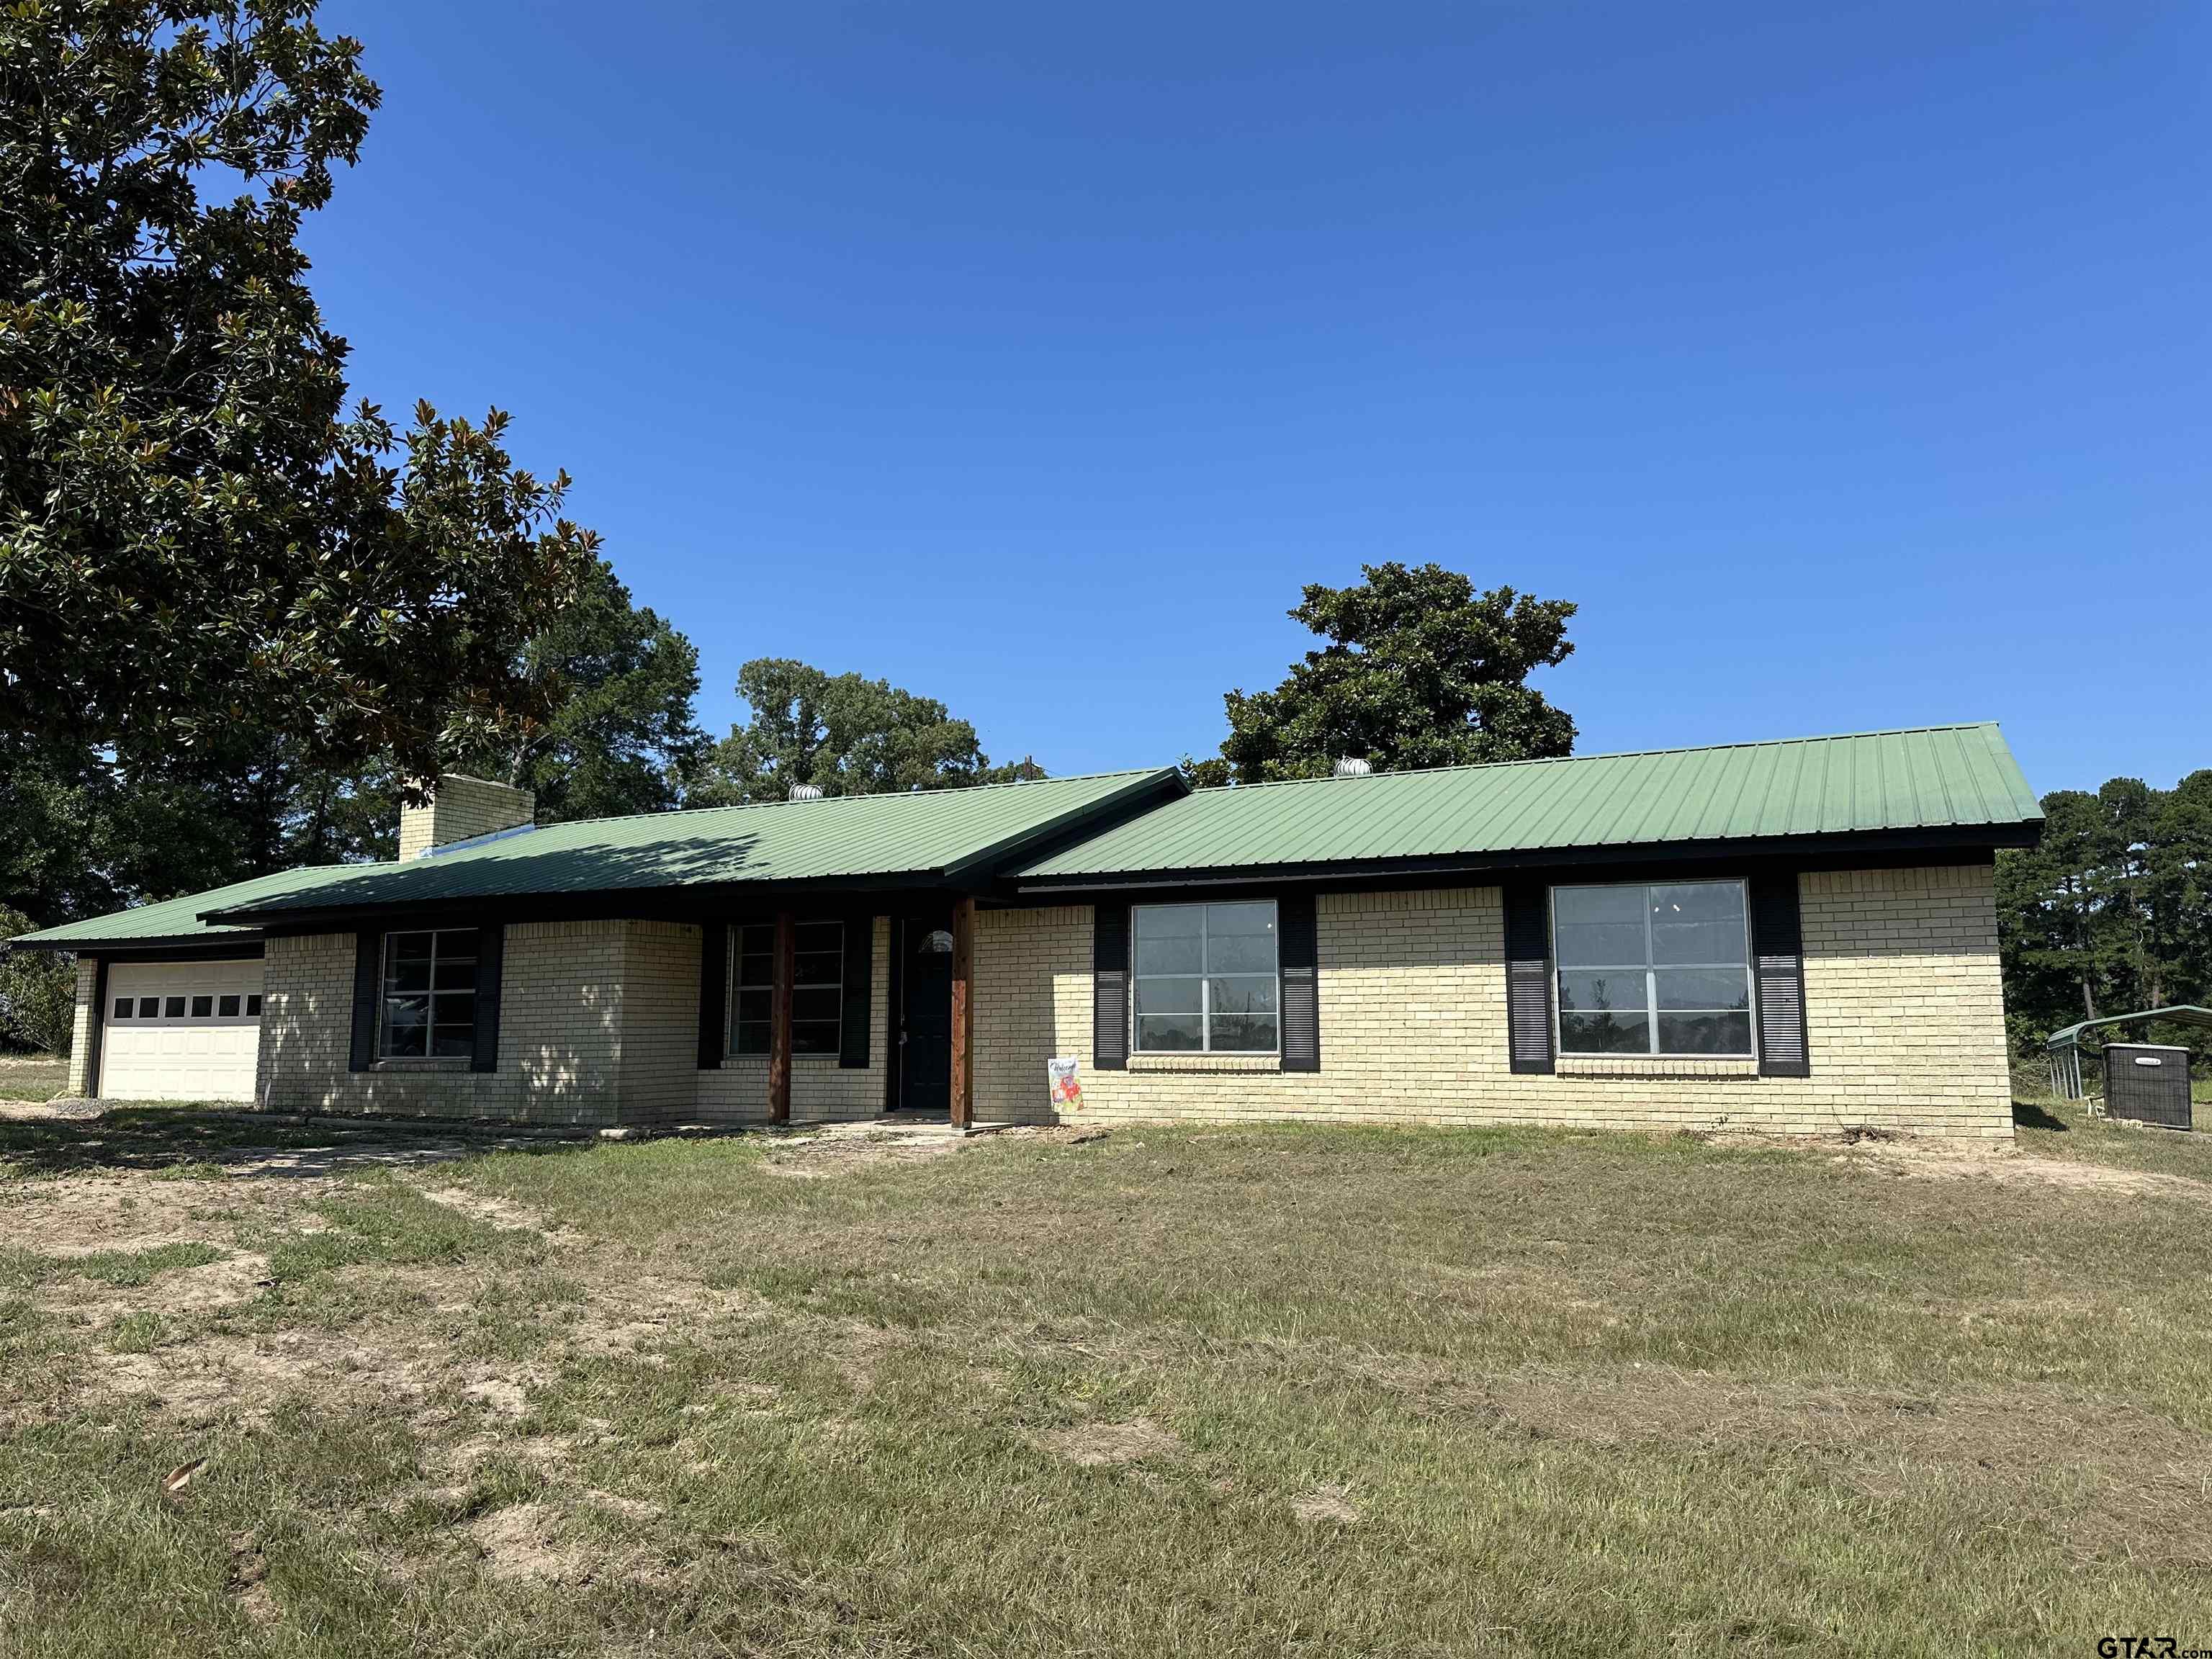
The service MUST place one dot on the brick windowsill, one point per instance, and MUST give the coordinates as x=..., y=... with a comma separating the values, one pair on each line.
x=443, y=1063
x=798, y=1063
x=1634, y=1065
x=1206, y=1062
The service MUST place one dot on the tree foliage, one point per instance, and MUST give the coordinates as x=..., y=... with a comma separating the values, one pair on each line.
x=38, y=992
x=2112, y=912
x=85, y=830
x=845, y=734
x=618, y=732
x=192, y=534
x=1419, y=669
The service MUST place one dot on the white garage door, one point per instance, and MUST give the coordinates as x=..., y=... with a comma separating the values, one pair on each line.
x=180, y=1031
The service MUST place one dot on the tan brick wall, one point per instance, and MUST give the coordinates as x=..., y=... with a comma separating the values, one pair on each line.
x=84, y=1026
x=599, y=1025
x=821, y=1090
x=658, y=1079
x=568, y=988
x=1905, y=1010
x=462, y=807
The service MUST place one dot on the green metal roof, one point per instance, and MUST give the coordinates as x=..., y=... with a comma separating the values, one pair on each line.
x=920, y=836
x=178, y=919
x=1948, y=777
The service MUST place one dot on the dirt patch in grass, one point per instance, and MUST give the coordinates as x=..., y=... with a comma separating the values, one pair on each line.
x=503, y=1395
x=236, y=1278
x=819, y=1154
x=639, y=1308
x=208, y=1377
x=1326, y=1503
x=87, y=1215
x=248, y=1568
x=1055, y=1134
x=500, y=1212
x=185, y=1293
x=527, y=1541
x=2003, y=1165
x=1096, y=1445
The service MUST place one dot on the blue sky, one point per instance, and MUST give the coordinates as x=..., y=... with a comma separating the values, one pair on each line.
x=1848, y=366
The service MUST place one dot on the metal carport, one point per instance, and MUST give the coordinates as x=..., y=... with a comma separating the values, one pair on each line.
x=2063, y=1048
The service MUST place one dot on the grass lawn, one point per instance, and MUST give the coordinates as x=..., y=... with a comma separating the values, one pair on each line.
x=1226, y=1392
x=31, y=1077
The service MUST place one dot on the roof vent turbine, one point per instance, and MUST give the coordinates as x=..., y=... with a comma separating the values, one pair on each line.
x=806, y=792
x=1351, y=767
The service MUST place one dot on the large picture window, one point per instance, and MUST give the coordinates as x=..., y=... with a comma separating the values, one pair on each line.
x=1206, y=978
x=817, y=988
x=1657, y=969
x=429, y=995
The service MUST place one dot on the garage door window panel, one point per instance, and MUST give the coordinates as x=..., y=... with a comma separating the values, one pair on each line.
x=429, y=995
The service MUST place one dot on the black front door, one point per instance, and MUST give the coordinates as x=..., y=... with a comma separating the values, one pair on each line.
x=925, y=1016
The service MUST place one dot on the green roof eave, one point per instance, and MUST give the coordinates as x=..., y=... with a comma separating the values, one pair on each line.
x=180, y=921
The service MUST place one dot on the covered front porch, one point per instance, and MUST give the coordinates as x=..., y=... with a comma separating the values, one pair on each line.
x=784, y=991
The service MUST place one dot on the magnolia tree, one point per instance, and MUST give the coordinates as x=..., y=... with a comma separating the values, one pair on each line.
x=193, y=529
x=1419, y=670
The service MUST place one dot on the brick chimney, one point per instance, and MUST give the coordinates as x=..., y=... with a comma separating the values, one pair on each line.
x=461, y=809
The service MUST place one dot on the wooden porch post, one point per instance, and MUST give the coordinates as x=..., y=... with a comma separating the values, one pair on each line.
x=963, y=1012
x=778, y=1024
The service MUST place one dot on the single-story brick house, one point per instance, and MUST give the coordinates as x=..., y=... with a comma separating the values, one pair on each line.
x=1789, y=936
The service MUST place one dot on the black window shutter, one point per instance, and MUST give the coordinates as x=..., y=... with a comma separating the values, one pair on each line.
x=714, y=992
x=367, y=965
x=492, y=948
x=1528, y=977
x=1778, y=957
x=1109, y=988
x=1294, y=914
x=853, y=1033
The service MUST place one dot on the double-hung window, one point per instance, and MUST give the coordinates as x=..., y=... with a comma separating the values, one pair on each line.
x=1662, y=968
x=429, y=1009
x=1206, y=978
x=817, y=988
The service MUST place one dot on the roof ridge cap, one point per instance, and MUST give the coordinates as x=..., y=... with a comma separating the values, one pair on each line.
x=879, y=794
x=1608, y=753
